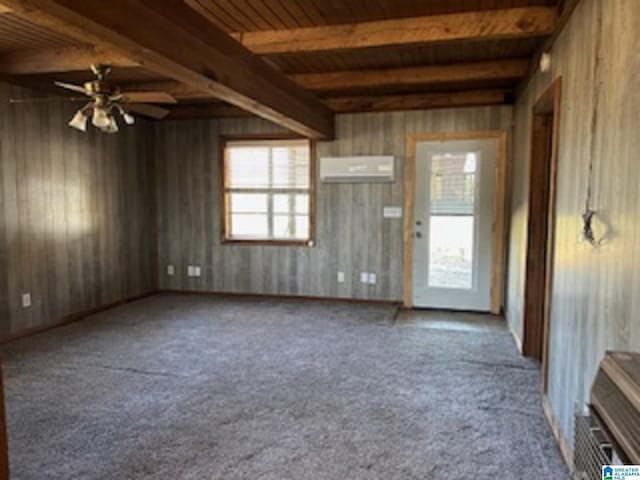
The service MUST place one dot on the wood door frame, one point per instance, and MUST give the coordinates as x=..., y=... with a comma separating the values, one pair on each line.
x=535, y=342
x=499, y=240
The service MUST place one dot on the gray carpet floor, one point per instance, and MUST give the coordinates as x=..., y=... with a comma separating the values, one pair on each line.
x=188, y=387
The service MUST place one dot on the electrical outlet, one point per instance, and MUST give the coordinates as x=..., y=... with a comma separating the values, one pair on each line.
x=171, y=270
x=373, y=278
x=197, y=272
x=364, y=277
x=340, y=277
x=26, y=300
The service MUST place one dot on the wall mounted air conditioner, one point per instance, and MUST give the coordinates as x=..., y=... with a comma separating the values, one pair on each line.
x=360, y=169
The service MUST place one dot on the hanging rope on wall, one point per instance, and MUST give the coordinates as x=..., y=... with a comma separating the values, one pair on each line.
x=587, y=234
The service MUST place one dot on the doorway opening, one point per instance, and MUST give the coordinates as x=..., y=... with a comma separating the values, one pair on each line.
x=454, y=221
x=540, y=238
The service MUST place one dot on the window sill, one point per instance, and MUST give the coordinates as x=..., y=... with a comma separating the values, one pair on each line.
x=269, y=243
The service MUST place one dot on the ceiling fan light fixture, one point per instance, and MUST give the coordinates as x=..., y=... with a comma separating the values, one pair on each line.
x=128, y=118
x=79, y=121
x=112, y=127
x=100, y=118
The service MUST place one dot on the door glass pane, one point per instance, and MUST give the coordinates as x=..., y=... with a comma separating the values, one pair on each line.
x=451, y=252
x=452, y=223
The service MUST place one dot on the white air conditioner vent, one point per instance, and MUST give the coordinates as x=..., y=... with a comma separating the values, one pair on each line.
x=359, y=169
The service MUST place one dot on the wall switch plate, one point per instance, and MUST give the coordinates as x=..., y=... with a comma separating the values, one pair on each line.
x=392, y=212
x=171, y=270
x=364, y=277
x=26, y=300
x=373, y=278
x=340, y=277
x=197, y=271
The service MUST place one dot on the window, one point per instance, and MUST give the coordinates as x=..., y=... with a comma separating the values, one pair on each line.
x=268, y=191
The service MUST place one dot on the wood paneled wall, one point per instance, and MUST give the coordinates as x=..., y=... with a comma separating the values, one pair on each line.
x=77, y=225
x=596, y=291
x=351, y=234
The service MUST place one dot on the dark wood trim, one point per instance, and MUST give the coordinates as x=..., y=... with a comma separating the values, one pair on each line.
x=72, y=318
x=224, y=211
x=541, y=225
x=246, y=295
x=4, y=446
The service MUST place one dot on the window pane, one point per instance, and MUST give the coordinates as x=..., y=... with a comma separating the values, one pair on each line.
x=291, y=167
x=248, y=203
x=451, y=252
x=302, y=227
x=302, y=203
x=281, y=203
x=248, y=167
x=282, y=226
x=249, y=225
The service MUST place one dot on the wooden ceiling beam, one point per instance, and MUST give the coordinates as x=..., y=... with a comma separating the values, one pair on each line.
x=413, y=76
x=473, y=26
x=357, y=104
x=66, y=59
x=174, y=41
x=344, y=80
x=423, y=101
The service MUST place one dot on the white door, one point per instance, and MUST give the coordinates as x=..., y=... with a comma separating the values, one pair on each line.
x=454, y=220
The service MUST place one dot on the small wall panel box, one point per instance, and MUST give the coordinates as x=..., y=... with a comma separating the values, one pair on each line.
x=360, y=169
x=392, y=212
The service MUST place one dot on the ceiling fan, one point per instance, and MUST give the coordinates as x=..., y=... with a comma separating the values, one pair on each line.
x=108, y=101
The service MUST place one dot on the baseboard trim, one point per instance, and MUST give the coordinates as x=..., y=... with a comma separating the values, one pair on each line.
x=516, y=338
x=211, y=293
x=71, y=318
x=565, y=448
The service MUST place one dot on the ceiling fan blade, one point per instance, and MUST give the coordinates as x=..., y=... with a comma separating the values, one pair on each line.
x=148, y=110
x=70, y=86
x=149, y=97
x=47, y=100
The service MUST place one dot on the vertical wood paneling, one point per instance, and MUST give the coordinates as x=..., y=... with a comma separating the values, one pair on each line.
x=595, y=290
x=74, y=211
x=351, y=233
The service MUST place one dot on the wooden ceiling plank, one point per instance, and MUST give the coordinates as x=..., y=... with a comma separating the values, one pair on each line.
x=280, y=14
x=176, y=42
x=56, y=60
x=459, y=27
x=425, y=75
x=218, y=16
